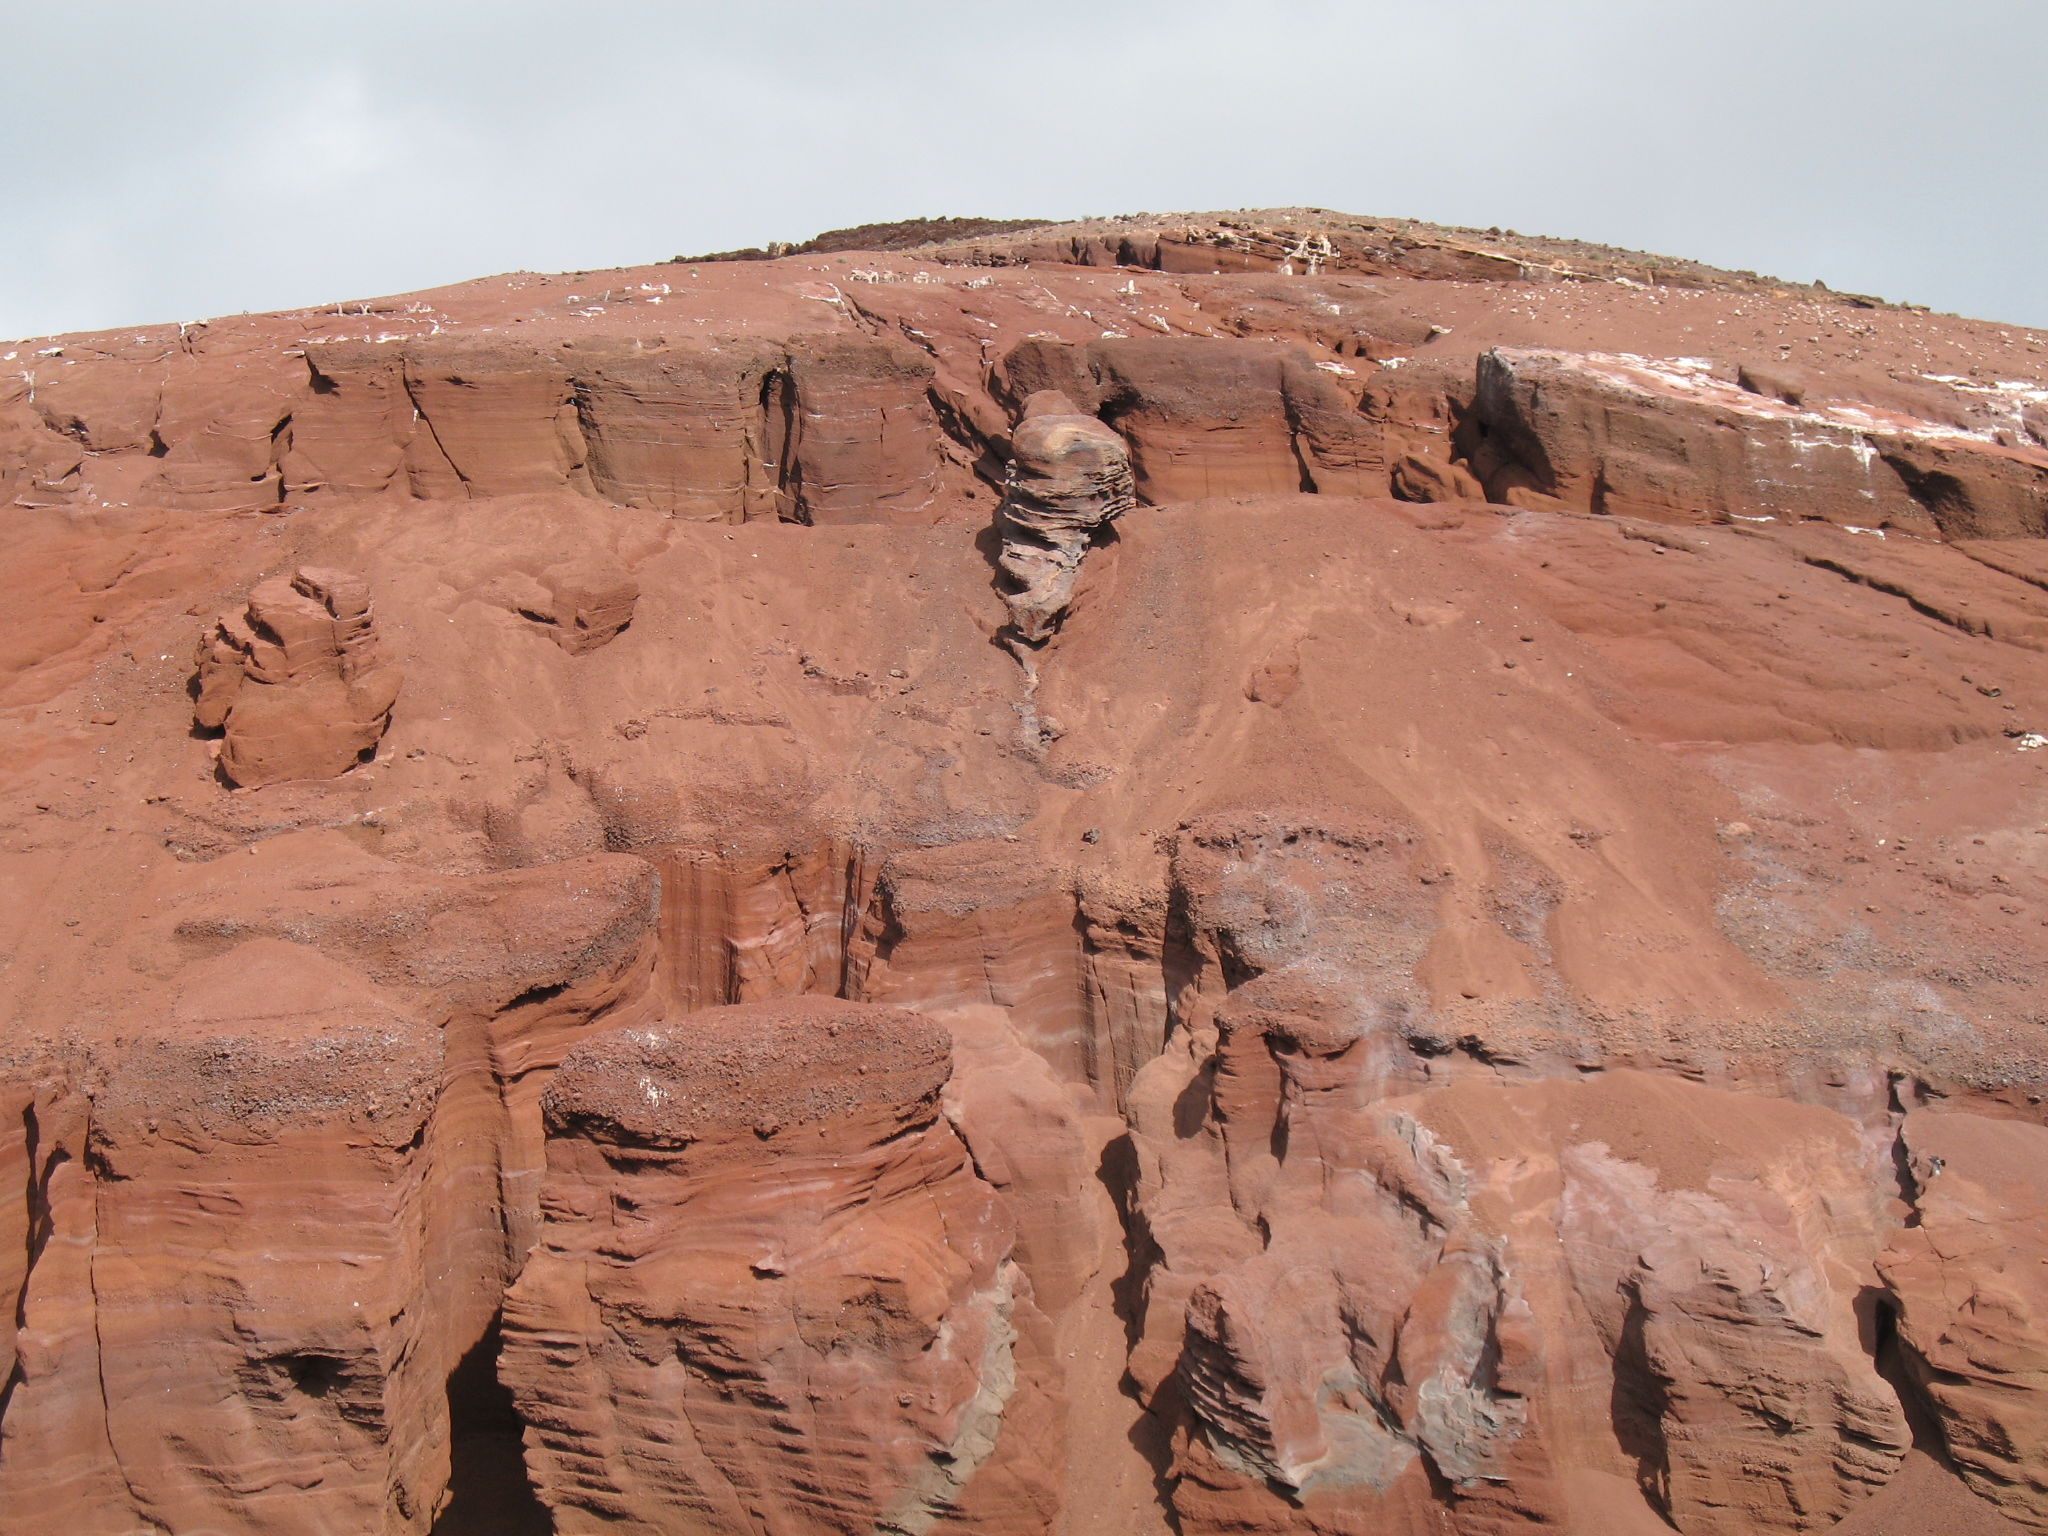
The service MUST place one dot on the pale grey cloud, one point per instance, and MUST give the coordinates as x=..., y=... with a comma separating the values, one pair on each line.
x=170, y=161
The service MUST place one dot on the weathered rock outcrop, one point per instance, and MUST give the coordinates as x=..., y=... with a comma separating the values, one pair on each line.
x=350, y=434
x=852, y=438
x=296, y=681
x=1669, y=440
x=1971, y=1294
x=499, y=418
x=770, y=1286
x=579, y=607
x=1434, y=1292
x=1069, y=478
x=678, y=429
x=965, y=927
x=799, y=426
x=243, y=1337
x=1363, y=1349
x=1420, y=1013
x=283, y=1191
x=1214, y=417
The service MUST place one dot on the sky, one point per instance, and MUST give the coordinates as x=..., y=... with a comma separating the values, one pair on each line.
x=178, y=161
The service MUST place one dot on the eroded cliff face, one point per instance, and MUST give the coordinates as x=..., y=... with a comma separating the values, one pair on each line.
x=770, y=1286
x=1227, y=875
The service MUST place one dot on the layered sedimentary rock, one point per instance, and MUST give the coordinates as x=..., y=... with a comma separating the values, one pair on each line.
x=1969, y=1292
x=272, y=1191
x=1498, y=1298
x=804, y=427
x=350, y=434
x=296, y=682
x=1069, y=478
x=499, y=418
x=675, y=428
x=1487, y=982
x=283, y=1265
x=851, y=435
x=1245, y=387
x=1667, y=439
x=1214, y=417
x=770, y=1287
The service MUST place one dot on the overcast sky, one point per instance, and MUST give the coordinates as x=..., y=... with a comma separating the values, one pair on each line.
x=185, y=158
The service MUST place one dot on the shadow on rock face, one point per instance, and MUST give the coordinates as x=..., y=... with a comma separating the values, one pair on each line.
x=489, y=1493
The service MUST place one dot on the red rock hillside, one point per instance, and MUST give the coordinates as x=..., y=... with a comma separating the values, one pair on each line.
x=1216, y=874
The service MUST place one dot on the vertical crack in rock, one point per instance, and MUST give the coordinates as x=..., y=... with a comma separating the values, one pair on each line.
x=1069, y=477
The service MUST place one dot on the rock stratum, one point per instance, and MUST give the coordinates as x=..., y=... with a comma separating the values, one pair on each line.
x=1216, y=874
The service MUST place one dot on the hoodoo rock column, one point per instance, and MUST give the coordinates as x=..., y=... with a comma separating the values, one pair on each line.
x=1069, y=476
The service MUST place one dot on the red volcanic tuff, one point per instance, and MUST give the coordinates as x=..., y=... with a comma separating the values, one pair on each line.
x=1225, y=873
